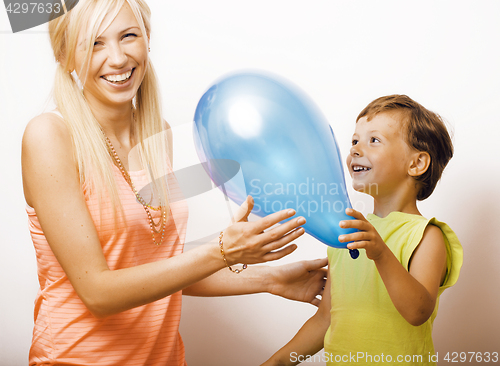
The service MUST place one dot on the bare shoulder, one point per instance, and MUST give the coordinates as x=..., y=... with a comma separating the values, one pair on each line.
x=433, y=236
x=47, y=151
x=428, y=261
x=432, y=243
x=46, y=130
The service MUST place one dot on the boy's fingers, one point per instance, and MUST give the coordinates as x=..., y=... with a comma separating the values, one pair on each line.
x=360, y=235
x=357, y=245
x=355, y=224
x=353, y=213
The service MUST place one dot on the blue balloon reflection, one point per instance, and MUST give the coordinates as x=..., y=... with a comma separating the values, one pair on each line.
x=285, y=146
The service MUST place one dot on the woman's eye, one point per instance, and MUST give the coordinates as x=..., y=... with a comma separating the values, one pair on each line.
x=130, y=35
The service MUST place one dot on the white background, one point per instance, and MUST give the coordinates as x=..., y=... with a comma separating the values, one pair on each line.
x=343, y=54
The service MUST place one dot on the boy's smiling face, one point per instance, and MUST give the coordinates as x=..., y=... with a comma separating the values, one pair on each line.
x=379, y=157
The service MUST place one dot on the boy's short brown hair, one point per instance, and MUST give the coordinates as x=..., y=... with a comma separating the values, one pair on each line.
x=426, y=131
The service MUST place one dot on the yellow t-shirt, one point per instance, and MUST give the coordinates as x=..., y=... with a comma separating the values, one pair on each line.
x=365, y=326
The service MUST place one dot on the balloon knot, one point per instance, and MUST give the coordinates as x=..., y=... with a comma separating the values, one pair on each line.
x=354, y=253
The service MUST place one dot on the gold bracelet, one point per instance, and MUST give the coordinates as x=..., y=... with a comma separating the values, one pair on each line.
x=237, y=271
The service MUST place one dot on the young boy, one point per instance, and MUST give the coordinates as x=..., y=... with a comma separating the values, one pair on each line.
x=380, y=307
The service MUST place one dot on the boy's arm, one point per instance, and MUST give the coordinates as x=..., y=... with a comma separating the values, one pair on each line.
x=413, y=293
x=309, y=339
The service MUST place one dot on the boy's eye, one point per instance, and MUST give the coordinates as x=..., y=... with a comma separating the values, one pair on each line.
x=374, y=139
x=354, y=142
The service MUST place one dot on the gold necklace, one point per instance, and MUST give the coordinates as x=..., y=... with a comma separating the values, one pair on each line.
x=163, y=219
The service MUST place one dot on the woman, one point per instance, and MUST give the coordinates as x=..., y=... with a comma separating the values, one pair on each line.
x=110, y=261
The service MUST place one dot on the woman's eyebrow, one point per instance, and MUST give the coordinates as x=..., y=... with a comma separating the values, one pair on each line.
x=129, y=28
x=123, y=31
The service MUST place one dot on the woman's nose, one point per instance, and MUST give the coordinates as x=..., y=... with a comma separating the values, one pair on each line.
x=116, y=57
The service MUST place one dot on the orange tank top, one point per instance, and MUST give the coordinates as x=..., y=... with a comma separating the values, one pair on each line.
x=66, y=333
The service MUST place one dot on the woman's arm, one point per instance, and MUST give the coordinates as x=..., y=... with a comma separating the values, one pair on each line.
x=51, y=184
x=413, y=293
x=300, y=281
x=309, y=339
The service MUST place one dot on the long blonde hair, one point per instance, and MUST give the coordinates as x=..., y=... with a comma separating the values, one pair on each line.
x=91, y=152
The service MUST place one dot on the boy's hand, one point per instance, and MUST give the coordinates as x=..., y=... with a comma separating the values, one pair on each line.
x=367, y=238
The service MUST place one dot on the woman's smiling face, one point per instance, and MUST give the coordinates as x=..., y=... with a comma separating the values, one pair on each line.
x=118, y=63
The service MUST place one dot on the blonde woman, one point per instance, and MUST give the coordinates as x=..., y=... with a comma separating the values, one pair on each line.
x=110, y=261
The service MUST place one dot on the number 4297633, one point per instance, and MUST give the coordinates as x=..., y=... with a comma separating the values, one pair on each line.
x=471, y=357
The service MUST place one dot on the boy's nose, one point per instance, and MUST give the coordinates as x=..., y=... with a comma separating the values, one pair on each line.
x=356, y=150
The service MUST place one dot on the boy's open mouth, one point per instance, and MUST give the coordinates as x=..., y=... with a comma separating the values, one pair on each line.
x=359, y=168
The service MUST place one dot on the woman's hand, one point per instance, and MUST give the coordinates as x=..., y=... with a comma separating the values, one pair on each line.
x=367, y=238
x=300, y=281
x=249, y=243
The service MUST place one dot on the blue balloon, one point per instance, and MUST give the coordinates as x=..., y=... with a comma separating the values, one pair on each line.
x=284, y=146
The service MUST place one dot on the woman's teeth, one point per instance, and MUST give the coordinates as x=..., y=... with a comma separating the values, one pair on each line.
x=118, y=78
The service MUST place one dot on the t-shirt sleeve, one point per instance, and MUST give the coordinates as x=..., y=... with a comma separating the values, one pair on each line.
x=454, y=251
x=455, y=254
x=413, y=241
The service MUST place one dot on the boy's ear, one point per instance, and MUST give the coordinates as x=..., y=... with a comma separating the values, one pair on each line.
x=419, y=163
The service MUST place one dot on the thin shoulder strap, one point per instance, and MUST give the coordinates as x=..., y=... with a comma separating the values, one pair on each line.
x=55, y=111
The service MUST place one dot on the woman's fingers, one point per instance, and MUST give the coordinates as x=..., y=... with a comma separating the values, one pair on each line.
x=284, y=240
x=278, y=232
x=317, y=264
x=272, y=219
x=272, y=256
x=249, y=243
x=244, y=210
